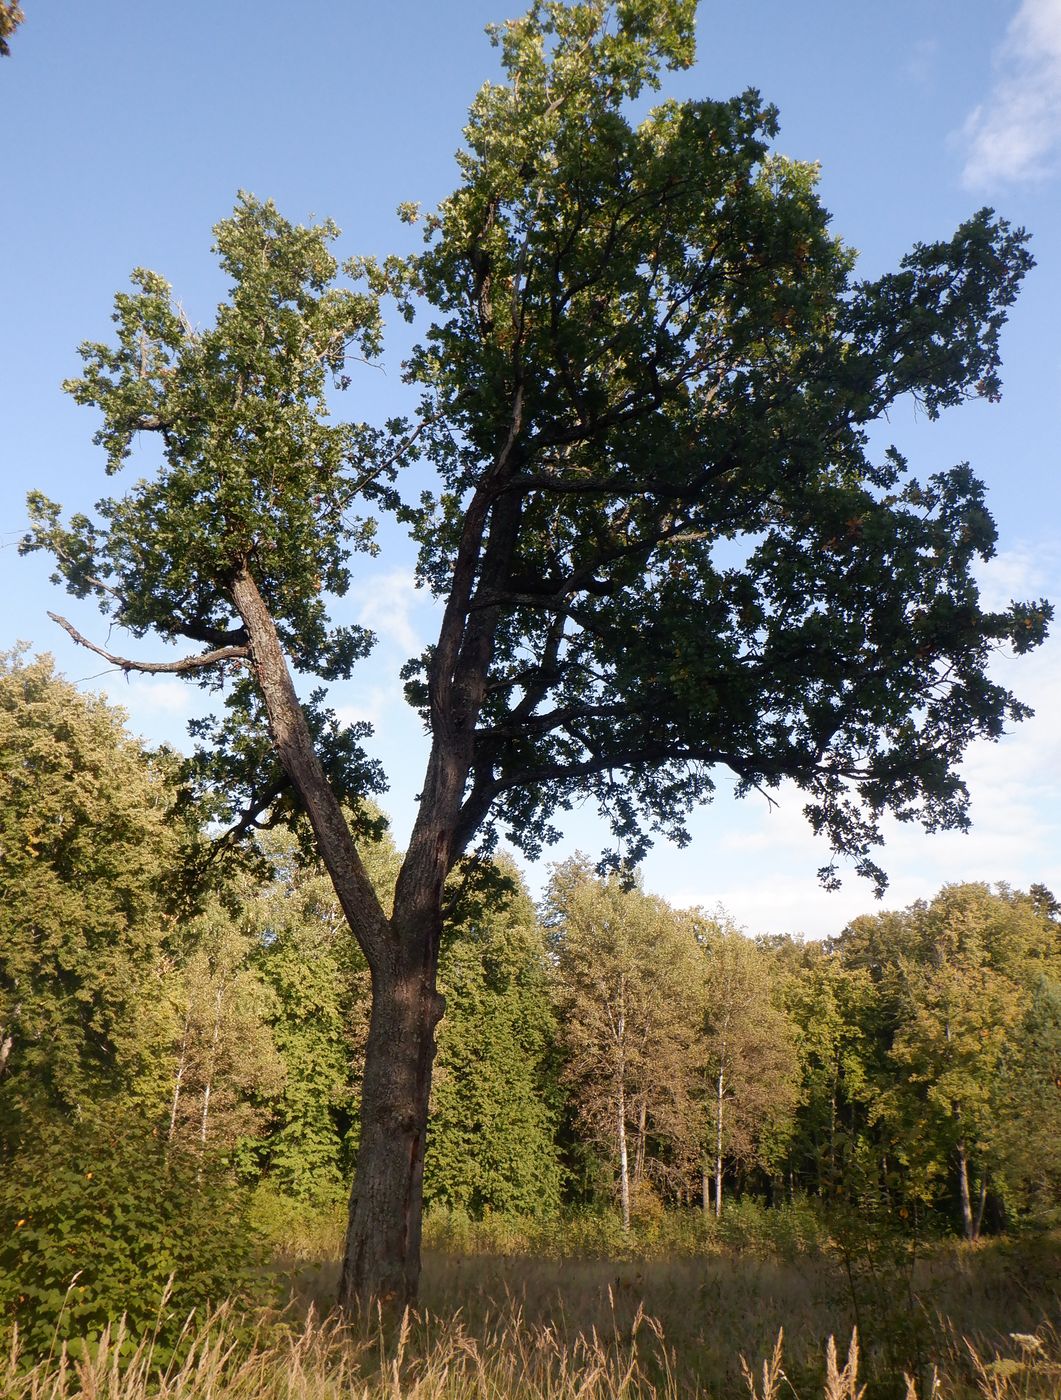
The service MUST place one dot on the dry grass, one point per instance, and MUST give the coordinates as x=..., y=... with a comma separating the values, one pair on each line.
x=716, y=1308
x=963, y=1323
x=511, y=1360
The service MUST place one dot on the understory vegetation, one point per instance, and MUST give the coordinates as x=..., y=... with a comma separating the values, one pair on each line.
x=753, y=1317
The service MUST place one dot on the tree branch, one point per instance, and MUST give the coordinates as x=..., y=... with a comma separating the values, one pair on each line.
x=185, y=664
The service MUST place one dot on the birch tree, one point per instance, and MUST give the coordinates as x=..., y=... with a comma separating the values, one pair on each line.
x=750, y=1056
x=627, y=988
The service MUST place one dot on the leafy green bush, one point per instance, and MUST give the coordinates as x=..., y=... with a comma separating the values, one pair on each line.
x=98, y=1222
x=793, y=1228
x=296, y=1228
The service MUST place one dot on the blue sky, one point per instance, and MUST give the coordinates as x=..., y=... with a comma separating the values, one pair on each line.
x=129, y=127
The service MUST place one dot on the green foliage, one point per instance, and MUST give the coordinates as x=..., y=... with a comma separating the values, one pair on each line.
x=628, y=989
x=319, y=983
x=926, y=1035
x=654, y=372
x=221, y=1071
x=492, y=1143
x=1032, y=1114
x=11, y=16
x=252, y=472
x=99, y=1221
x=750, y=1064
x=87, y=841
x=788, y=1230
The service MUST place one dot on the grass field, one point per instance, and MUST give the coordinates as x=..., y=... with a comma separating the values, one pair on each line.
x=947, y=1322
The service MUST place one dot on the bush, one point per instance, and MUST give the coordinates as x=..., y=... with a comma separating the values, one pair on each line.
x=98, y=1222
x=747, y=1226
x=299, y=1229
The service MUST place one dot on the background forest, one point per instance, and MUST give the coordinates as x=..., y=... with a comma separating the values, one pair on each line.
x=180, y=1042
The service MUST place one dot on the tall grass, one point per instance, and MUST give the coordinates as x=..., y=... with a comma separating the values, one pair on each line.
x=660, y=1320
x=427, y=1359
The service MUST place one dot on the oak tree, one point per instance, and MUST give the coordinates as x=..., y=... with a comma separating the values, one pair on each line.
x=664, y=547
x=11, y=17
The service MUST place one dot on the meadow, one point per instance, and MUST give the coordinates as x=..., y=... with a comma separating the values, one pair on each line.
x=764, y=1308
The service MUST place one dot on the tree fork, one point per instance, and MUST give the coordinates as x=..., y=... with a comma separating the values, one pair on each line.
x=294, y=747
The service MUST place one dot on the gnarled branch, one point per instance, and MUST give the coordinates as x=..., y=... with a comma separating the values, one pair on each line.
x=185, y=664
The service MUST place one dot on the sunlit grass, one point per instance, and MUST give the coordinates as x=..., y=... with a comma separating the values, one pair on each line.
x=425, y=1358
x=950, y=1324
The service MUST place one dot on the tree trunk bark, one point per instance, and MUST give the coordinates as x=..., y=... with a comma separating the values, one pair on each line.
x=624, y=1165
x=179, y=1079
x=381, y=1261
x=978, y=1223
x=718, y=1147
x=382, y=1257
x=968, y=1222
x=211, y=1065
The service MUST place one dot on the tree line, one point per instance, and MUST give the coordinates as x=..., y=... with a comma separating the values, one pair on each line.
x=600, y=1050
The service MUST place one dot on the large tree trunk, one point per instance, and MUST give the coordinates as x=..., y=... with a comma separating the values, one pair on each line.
x=382, y=1256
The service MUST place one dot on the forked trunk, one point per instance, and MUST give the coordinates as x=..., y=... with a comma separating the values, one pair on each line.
x=382, y=1257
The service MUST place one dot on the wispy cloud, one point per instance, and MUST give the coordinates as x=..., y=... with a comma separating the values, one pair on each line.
x=921, y=62
x=144, y=696
x=392, y=606
x=1016, y=133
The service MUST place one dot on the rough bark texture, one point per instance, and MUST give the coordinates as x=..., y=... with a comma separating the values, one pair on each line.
x=294, y=746
x=381, y=1262
x=382, y=1257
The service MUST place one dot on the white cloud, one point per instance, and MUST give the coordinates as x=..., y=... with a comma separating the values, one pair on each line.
x=1016, y=133
x=389, y=603
x=371, y=708
x=1023, y=573
x=144, y=696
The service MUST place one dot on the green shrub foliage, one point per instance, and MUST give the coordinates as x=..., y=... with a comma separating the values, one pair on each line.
x=98, y=1220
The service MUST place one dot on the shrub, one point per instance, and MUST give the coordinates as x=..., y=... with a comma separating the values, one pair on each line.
x=98, y=1222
